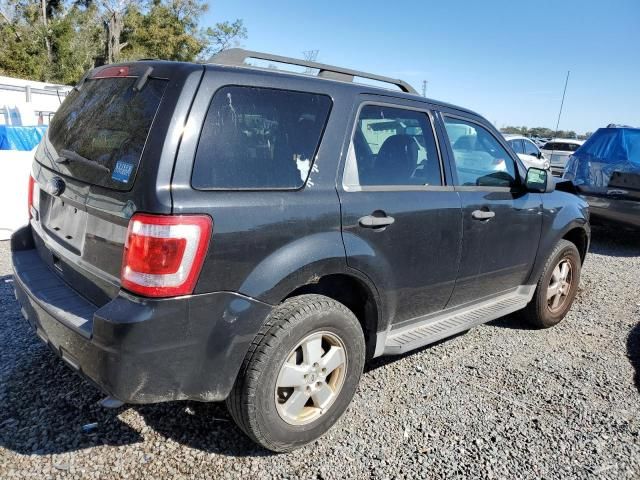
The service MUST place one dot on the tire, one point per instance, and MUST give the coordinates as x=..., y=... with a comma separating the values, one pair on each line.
x=540, y=312
x=258, y=402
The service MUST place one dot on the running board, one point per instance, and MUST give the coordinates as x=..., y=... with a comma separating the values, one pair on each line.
x=444, y=324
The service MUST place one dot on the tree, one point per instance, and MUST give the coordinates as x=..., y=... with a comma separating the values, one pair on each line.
x=541, y=132
x=46, y=33
x=114, y=11
x=513, y=130
x=22, y=50
x=58, y=40
x=78, y=43
x=169, y=30
x=223, y=36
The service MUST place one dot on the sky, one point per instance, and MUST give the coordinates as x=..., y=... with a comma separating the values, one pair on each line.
x=505, y=60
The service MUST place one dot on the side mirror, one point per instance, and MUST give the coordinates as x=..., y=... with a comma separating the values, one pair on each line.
x=539, y=181
x=540, y=155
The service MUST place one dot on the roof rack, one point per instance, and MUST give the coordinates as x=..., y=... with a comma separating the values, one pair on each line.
x=238, y=56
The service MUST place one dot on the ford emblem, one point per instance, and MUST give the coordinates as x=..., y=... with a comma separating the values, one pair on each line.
x=55, y=186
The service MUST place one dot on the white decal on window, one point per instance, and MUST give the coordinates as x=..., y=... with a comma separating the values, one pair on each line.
x=303, y=166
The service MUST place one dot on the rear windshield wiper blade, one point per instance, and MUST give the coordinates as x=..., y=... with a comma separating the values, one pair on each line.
x=71, y=156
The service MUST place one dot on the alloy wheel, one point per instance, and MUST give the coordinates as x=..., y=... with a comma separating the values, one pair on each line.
x=560, y=285
x=311, y=378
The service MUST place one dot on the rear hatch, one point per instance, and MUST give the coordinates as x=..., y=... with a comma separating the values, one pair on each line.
x=559, y=152
x=108, y=152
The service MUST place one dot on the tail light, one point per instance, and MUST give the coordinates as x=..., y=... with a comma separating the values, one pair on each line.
x=163, y=254
x=30, y=197
x=112, y=72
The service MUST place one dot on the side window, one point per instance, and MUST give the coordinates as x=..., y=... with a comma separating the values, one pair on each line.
x=480, y=160
x=392, y=146
x=516, y=145
x=259, y=138
x=530, y=148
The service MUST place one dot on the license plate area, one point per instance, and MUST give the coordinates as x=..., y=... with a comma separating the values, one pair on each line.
x=66, y=224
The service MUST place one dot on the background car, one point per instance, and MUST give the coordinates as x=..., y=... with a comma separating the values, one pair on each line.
x=558, y=151
x=528, y=152
x=606, y=171
x=540, y=141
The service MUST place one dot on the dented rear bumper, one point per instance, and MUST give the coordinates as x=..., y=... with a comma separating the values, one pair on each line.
x=135, y=349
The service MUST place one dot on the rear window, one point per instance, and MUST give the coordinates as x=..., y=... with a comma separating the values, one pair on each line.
x=99, y=132
x=259, y=138
x=562, y=147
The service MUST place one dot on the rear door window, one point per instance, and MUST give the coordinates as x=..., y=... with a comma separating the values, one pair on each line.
x=259, y=138
x=530, y=148
x=516, y=145
x=392, y=146
x=98, y=133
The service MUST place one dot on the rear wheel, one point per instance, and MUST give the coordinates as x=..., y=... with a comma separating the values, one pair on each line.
x=300, y=373
x=557, y=287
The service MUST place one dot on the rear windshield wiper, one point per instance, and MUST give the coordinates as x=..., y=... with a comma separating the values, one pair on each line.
x=71, y=156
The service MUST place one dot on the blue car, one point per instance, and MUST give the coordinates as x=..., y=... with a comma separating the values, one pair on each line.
x=606, y=172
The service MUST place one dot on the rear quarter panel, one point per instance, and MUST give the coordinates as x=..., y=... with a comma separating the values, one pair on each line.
x=266, y=244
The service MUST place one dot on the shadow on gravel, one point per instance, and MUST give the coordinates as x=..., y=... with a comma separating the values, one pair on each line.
x=203, y=426
x=513, y=321
x=633, y=352
x=382, y=361
x=614, y=241
x=44, y=405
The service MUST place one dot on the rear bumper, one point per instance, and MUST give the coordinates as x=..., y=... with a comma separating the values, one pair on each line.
x=139, y=350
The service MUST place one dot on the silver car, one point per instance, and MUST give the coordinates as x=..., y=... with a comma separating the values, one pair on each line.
x=527, y=151
x=558, y=151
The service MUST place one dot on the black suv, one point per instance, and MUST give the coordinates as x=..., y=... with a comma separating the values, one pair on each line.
x=224, y=231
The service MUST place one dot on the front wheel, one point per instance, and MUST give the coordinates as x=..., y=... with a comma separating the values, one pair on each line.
x=300, y=373
x=557, y=287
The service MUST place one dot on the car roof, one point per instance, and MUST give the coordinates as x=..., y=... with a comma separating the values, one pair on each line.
x=358, y=88
x=513, y=136
x=566, y=140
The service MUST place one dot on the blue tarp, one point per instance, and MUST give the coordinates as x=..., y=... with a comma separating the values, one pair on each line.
x=20, y=138
x=608, y=159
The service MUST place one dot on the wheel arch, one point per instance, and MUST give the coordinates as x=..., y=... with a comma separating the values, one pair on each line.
x=579, y=237
x=317, y=264
x=354, y=293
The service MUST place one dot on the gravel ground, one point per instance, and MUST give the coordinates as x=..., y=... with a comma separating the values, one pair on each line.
x=501, y=401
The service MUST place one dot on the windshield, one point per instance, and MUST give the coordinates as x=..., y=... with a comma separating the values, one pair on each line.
x=99, y=132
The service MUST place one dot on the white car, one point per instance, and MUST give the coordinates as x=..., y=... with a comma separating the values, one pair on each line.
x=558, y=151
x=528, y=152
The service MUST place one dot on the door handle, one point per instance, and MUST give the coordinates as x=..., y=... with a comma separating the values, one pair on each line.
x=370, y=221
x=483, y=214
